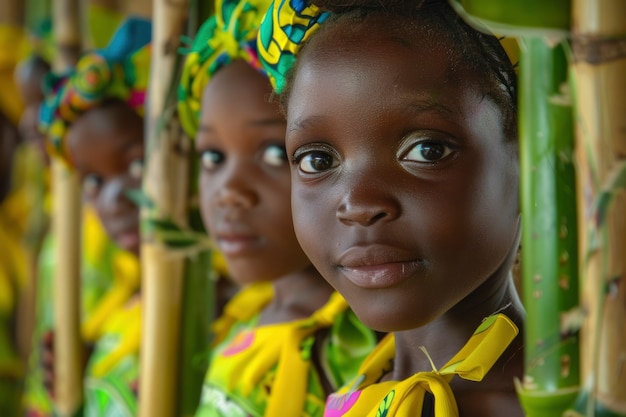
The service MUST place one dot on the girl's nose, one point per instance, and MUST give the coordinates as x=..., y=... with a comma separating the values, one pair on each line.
x=235, y=191
x=367, y=202
x=113, y=198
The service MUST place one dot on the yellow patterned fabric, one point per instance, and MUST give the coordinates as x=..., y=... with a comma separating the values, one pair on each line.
x=126, y=282
x=267, y=370
x=366, y=397
x=289, y=24
x=228, y=35
x=284, y=30
x=13, y=274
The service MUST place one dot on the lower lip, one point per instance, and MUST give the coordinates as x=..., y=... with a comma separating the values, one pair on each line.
x=381, y=276
x=238, y=247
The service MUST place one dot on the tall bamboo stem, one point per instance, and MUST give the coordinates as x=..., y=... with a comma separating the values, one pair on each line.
x=549, y=238
x=66, y=215
x=599, y=44
x=165, y=183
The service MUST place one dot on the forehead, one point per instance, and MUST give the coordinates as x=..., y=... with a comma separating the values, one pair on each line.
x=236, y=84
x=383, y=59
x=100, y=136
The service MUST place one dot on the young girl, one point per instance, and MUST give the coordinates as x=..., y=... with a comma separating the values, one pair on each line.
x=401, y=131
x=279, y=349
x=93, y=119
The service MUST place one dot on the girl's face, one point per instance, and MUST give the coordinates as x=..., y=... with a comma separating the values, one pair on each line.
x=404, y=190
x=245, y=178
x=108, y=154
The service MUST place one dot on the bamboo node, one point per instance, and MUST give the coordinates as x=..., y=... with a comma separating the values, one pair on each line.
x=595, y=49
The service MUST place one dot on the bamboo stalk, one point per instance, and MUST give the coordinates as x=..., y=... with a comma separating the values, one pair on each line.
x=66, y=215
x=199, y=293
x=599, y=67
x=166, y=184
x=549, y=237
x=518, y=17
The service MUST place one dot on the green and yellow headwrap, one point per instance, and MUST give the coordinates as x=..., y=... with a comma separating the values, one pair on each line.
x=119, y=71
x=288, y=24
x=228, y=35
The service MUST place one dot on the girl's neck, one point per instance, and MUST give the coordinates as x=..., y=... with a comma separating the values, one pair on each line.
x=445, y=336
x=296, y=296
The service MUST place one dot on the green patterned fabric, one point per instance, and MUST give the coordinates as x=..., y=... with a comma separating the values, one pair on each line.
x=287, y=25
x=228, y=35
x=267, y=370
x=119, y=71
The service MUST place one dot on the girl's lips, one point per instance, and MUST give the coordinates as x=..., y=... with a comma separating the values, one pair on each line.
x=238, y=245
x=376, y=267
x=129, y=240
x=381, y=276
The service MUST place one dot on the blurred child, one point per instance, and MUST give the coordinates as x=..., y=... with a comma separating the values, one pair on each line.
x=286, y=339
x=93, y=118
x=401, y=131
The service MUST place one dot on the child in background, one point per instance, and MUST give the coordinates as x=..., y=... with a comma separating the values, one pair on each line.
x=401, y=131
x=286, y=339
x=100, y=261
x=93, y=118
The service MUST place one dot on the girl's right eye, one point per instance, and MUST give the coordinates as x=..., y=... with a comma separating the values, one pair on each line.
x=92, y=184
x=314, y=162
x=210, y=159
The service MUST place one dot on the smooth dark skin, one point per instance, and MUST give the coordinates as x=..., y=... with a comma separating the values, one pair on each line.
x=106, y=148
x=245, y=189
x=364, y=102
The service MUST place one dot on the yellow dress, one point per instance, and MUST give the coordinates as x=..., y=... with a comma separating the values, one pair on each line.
x=13, y=272
x=414, y=396
x=267, y=370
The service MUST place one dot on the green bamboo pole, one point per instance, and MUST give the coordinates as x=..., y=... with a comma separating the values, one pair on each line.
x=549, y=238
x=518, y=17
x=66, y=215
x=166, y=185
x=199, y=285
x=548, y=197
x=599, y=68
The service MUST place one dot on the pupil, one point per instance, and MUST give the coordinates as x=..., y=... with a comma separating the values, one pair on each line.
x=432, y=152
x=320, y=162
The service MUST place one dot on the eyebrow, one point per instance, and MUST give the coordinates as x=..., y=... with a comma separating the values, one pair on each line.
x=304, y=123
x=254, y=123
x=410, y=109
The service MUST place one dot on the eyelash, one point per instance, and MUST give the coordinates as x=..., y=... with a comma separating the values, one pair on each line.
x=276, y=158
x=321, y=149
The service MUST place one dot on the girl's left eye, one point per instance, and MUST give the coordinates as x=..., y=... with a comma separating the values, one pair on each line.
x=275, y=155
x=135, y=169
x=427, y=151
x=315, y=162
x=92, y=184
x=210, y=159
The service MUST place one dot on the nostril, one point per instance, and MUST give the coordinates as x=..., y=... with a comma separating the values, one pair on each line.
x=377, y=217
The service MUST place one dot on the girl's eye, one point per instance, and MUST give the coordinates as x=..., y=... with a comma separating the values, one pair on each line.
x=315, y=162
x=136, y=169
x=210, y=159
x=91, y=185
x=428, y=151
x=275, y=155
